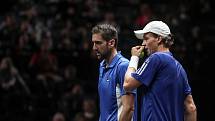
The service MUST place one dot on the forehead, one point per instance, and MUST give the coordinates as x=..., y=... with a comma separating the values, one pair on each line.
x=147, y=35
x=97, y=37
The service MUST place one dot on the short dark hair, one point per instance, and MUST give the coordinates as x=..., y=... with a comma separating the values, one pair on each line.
x=107, y=32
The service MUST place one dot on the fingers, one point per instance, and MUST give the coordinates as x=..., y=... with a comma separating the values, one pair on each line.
x=140, y=48
x=137, y=47
x=136, y=51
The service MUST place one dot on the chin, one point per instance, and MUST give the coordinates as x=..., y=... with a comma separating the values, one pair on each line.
x=148, y=52
x=99, y=57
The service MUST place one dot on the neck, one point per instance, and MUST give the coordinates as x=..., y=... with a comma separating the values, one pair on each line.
x=163, y=49
x=110, y=58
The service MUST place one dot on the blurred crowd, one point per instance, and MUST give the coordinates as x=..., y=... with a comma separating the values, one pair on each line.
x=48, y=71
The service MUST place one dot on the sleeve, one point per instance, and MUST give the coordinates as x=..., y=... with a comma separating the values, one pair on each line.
x=122, y=68
x=187, y=88
x=147, y=71
x=99, y=118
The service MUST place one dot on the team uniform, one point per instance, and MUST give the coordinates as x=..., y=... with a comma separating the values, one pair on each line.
x=110, y=87
x=165, y=88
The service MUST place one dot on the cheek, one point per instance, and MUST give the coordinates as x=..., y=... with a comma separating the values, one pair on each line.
x=101, y=48
x=150, y=46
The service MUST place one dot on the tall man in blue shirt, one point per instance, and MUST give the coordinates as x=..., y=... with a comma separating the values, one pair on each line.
x=167, y=93
x=113, y=66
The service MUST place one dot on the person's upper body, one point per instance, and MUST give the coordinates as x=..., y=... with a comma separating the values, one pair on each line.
x=113, y=66
x=167, y=93
x=11, y=80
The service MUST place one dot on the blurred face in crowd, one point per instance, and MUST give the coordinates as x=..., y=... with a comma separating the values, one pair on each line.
x=5, y=63
x=89, y=105
x=151, y=42
x=58, y=117
x=100, y=46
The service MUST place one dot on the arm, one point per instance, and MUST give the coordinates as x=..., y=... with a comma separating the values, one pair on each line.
x=128, y=100
x=128, y=107
x=190, y=113
x=130, y=83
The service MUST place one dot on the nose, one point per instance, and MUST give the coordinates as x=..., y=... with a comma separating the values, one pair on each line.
x=94, y=46
x=144, y=43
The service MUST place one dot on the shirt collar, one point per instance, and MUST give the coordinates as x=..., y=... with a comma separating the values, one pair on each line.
x=168, y=53
x=113, y=62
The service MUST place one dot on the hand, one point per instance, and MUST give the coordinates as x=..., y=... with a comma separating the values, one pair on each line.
x=136, y=51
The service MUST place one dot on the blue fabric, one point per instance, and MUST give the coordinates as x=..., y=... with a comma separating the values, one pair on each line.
x=166, y=86
x=110, y=87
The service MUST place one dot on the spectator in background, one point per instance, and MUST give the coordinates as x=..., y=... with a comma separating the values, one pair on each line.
x=44, y=64
x=72, y=100
x=70, y=75
x=45, y=78
x=109, y=17
x=79, y=117
x=10, y=77
x=58, y=116
x=13, y=91
x=144, y=15
x=89, y=109
x=44, y=61
x=8, y=32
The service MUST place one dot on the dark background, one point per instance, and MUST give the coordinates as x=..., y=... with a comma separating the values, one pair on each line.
x=64, y=27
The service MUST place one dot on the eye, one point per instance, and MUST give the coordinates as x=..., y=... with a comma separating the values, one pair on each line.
x=98, y=42
x=145, y=39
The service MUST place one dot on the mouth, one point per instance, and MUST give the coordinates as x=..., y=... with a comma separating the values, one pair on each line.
x=144, y=47
x=98, y=54
x=146, y=50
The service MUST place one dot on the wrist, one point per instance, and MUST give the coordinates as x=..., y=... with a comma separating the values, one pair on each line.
x=133, y=63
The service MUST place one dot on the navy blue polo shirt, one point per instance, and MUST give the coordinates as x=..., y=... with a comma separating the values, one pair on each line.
x=166, y=87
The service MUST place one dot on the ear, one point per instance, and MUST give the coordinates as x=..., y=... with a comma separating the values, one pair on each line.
x=111, y=43
x=159, y=40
